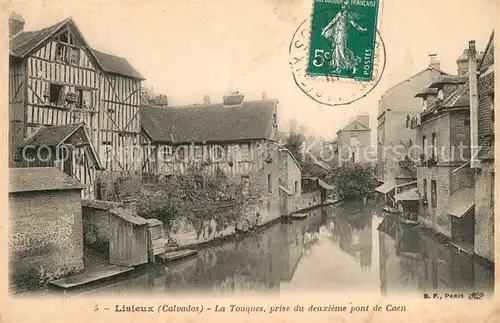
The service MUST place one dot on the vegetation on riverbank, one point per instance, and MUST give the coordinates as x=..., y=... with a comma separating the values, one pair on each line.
x=198, y=198
x=353, y=180
x=206, y=201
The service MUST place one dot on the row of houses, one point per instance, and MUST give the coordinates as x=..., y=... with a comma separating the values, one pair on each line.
x=79, y=111
x=435, y=151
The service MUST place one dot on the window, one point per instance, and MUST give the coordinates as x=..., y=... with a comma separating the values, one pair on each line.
x=466, y=122
x=275, y=120
x=353, y=157
x=60, y=52
x=244, y=151
x=181, y=154
x=440, y=95
x=433, y=193
x=220, y=152
x=295, y=187
x=424, y=105
x=166, y=152
x=425, y=190
x=84, y=99
x=55, y=94
x=73, y=55
x=434, y=148
x=354, y=141
x=269, y=184
x=424, y=144
x=79, y=157
x=198, y=152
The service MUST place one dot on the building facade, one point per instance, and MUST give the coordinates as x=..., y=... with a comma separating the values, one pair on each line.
x=56, y=78
x=484, y=104
x=236, y=137
x=354, y=141
x=45, y=226
x=289, y=181
x=445, y=183
x=396, y=107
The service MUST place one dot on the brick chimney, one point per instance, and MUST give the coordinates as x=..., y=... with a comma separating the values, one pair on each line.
x=434, y=62
x=233, y=99
x=364, y=120
x=16, y=24
x=472, y=69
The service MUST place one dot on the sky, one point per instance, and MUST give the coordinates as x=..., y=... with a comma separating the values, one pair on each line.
x=190, y=49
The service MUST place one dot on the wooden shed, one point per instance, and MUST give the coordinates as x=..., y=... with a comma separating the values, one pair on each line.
x=128, y=238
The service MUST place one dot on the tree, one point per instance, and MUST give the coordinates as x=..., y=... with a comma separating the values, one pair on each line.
x=161, y=100
x=353, y=180
x=294, y=143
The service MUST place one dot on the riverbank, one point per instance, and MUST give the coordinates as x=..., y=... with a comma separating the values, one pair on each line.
x=283, y=256
x=191, y=242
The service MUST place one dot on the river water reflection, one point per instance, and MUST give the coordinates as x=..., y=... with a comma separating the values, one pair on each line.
x=345, y=247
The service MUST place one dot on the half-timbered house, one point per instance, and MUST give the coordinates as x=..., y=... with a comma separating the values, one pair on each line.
x=236, y=137
x=56, y=79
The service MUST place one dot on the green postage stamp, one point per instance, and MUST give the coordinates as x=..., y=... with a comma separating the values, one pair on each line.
x=343, y=39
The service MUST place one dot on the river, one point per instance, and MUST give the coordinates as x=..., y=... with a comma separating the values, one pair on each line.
x=344, y=247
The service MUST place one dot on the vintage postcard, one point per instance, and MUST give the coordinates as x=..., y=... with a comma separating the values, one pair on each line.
x=267, y=161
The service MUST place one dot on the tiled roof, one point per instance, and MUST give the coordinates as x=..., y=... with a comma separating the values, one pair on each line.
x=23, y=42
x=40, y=179
x=211, y=123
x=354, y=126
x=56, y=135
x=459, y=98
x=52, y=136
x=116, y=65
x=448, y=79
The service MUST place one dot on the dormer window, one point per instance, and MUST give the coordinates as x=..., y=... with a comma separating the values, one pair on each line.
x=66, y=49
x=440, y=95
x=424, y=104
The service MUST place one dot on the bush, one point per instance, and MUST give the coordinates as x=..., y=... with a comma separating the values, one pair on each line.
x=196, y=196
x=352, y=180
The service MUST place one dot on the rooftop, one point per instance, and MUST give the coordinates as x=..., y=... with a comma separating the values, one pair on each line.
x=116, y=65
x=449, y=79
x=26, y=41
x=52, y=135
x=40, y=179
x=209, y=122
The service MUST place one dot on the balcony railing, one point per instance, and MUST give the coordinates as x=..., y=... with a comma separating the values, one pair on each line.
x=428, y=161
